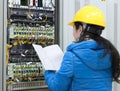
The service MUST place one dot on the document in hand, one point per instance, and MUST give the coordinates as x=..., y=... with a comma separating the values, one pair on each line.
x=50, y=56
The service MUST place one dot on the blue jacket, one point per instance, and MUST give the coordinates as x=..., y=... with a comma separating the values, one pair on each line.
x=83, y=69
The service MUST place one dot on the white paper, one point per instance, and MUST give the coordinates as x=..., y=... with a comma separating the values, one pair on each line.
x=50, y=56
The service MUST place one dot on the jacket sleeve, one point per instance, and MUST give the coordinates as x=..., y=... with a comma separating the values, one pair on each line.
x=62, y=79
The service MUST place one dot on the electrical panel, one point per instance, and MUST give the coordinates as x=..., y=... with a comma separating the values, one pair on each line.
x=29, y=22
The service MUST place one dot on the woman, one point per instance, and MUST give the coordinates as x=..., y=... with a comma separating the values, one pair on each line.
x=91, y=63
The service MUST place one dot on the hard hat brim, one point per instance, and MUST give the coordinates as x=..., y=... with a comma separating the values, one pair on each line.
x=71, y=23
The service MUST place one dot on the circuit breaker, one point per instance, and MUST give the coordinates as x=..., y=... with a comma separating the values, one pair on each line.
x=29, y=22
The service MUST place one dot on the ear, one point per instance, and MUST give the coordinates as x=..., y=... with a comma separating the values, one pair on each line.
x=80, y=29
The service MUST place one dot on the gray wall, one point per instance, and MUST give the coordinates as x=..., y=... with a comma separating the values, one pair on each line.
x=111, y=9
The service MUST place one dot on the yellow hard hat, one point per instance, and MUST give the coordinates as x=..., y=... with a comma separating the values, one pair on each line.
x=89, y=15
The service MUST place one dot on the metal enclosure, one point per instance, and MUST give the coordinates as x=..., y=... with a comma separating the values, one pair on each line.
x=1, y=43
x=13, y=14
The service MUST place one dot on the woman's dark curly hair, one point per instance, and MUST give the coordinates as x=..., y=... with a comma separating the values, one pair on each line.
x=109, y=47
